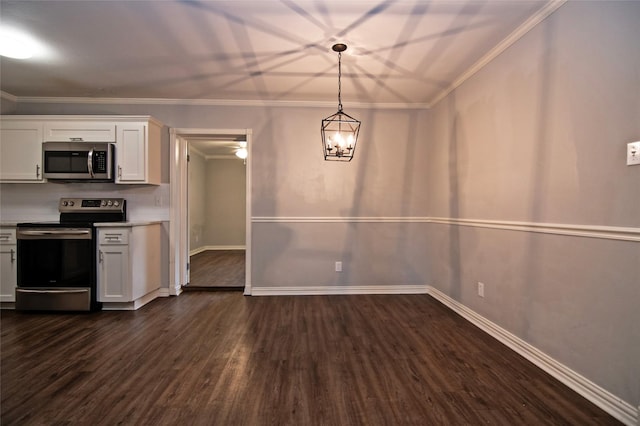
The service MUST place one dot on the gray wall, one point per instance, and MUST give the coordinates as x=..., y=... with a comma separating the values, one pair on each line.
x=7, y=106
x=291, y=179
x=217, y=202
x=226, y=199
x=539, y=135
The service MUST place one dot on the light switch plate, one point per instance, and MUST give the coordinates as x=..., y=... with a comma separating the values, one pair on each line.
x=633, y=153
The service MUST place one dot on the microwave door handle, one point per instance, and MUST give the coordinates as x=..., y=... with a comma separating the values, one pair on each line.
x=90, y=162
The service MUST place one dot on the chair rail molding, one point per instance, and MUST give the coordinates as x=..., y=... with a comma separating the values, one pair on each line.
x=567, y=229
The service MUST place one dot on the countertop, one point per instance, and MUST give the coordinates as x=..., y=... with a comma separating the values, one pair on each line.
x=126, y=224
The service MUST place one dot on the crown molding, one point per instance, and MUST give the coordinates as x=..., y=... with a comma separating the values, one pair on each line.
x=516, y=35
x=213, y=102
x=8, y=96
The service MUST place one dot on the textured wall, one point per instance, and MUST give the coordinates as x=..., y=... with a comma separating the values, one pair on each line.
x=290, y=179
x=539, y=135
x=225, y=202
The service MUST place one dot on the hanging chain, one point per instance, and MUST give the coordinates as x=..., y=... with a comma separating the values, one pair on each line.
x=339, y=81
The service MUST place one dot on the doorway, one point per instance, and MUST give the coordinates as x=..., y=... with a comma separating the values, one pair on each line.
x=192, y=239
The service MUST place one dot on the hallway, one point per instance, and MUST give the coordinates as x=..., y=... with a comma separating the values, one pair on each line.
x=217, y=269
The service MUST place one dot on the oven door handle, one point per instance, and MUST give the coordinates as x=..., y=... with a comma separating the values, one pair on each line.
x=24, y=290
x=55, y=234
x=65, y=232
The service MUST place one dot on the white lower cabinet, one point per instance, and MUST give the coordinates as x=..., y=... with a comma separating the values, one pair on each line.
x=114, y=282
x=128, y=265
x=8, y=265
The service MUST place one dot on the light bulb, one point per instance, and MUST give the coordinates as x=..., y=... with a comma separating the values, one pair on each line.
x=241, y=153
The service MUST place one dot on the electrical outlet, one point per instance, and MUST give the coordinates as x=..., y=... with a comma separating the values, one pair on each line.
x=633, y=153
x=338, y=266
x=480, y=289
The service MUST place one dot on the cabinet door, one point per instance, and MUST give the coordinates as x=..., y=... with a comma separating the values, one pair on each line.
x=8, y=273
x=67, y=131
x=131, y=151
x=114, y=274
x=21, y=151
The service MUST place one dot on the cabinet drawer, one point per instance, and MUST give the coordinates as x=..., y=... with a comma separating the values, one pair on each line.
x=7, y=236
x=120, y=236
x=79, y=131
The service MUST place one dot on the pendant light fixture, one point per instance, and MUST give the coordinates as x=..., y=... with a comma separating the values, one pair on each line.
x=340, y=130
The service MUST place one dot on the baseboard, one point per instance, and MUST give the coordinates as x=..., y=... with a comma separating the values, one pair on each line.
x=206, y=248
x=131, y=306
x=604, y=399
x=337, y=290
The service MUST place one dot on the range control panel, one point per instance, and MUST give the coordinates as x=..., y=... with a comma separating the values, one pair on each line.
x=91, y=204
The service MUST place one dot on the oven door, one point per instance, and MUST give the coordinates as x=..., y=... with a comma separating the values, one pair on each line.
x=56, y=269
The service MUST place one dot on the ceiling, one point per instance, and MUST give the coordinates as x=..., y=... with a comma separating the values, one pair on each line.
x=213, y=147
x=400, y=52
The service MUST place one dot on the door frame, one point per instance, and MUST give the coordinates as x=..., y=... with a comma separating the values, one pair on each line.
x=179, y=214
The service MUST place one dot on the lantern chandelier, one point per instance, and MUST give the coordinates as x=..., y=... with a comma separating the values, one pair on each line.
x=340, y=130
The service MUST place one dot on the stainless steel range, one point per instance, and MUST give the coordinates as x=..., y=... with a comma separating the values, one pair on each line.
x=57, y=260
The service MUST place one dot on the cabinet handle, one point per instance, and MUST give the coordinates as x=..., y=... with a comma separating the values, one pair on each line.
x=100, y=256
x=76, y=139
x=119, y=171
x=37, y=171
x=13, y=255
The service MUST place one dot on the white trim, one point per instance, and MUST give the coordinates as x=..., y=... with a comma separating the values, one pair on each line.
x=207, y=248
x=214, y=102
x=84, y=117
x=247, y=222
x=604, y=399
x=574, y=230
x=516, y=35
x=330, y=219
x=590, y=231
x=8, y=96
x=339, y=290
x=179, y=245
x=164, y=292
x=131, y=306
x=222, y=157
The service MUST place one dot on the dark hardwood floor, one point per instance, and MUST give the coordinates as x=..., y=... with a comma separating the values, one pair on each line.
x=217, y=269
x=220, y=358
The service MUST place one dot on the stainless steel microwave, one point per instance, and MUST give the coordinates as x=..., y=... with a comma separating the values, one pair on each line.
x=79, y=161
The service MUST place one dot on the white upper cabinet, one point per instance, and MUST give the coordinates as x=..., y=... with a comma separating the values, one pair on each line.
x=137, y=139
x=138, y=153
x=21, y=151
x=79, y=131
